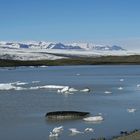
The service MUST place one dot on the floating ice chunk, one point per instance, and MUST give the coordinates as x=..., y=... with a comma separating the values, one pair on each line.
x=89, y=130
x=19, y=88
x=53, y=86
x=74, y=131
x=78, y=74
x=107, y=92
x=9, y=86
x=93, y=119
x=58, y=130
x=59, y=90
x=6, y=86
x=34, y=88
x=65, y=89
x=131, y=110
x=48, y=87
x=121, y=80
x=53, y=135
x=120, y=88
x=62, y=89
x=85, y=90
x=138, y=85
x=72, y=90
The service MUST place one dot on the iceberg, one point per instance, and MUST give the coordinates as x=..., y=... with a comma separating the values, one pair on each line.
x=89, y=130
x=93, y=119
x=6, y=86
x=85, y=90
x=107, y=92
x=131, y=110
x=74, y=131
x=10, y=86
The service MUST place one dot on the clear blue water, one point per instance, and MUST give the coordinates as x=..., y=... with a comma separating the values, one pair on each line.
x=22, y=111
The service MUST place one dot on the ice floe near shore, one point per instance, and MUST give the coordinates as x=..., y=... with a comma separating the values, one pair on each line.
x=29, y=86
x=57, y=131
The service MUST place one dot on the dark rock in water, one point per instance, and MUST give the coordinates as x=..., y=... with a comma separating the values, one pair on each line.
x=123, y=132
x=62, y=115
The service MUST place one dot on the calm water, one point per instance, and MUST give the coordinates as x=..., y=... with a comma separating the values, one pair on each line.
x=22, y=111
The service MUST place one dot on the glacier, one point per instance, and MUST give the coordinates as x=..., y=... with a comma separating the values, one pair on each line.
x=43, y=50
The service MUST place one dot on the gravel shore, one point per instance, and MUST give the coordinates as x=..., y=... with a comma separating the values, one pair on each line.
x=135, y=135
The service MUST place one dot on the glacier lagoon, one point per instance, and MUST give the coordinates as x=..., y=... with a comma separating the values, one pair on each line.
x=25, y=99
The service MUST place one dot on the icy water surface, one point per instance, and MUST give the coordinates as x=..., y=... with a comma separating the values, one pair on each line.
x=24, y=100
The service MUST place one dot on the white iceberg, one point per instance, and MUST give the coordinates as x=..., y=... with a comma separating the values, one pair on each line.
x=94, y=119
x=34, y=88
x=89, y=130
x=9, y=86
x=85, y=90
x=53, y=86
x=107, y=92
x=120, y=88
x=53, y=135
x=131, y=110
x=58, y=129
x=74, y=131
x=138, y=85
x=72, y=90
x=121, y=80
x=65, y=89
x=6, y=86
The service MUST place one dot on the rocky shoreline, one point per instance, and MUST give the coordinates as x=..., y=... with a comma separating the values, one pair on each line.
x=124, y=135
x=132, y=135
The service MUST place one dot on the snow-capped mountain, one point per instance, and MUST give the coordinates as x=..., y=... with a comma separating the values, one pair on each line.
x=51, y=51
x=51, y=45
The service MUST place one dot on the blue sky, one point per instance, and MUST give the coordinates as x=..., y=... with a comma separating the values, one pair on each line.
x=99, y=21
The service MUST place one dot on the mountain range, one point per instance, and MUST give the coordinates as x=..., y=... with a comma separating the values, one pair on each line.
x=64, y=46
x=33, y=50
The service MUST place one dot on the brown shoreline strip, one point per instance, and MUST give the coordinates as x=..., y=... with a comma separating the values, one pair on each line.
x=134, y=135
x=103, y=60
